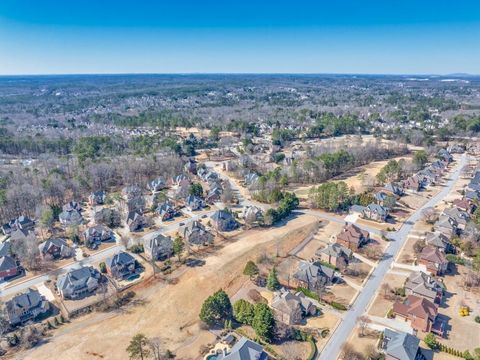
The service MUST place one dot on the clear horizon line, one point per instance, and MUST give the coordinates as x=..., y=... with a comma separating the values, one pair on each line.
x=236, y=73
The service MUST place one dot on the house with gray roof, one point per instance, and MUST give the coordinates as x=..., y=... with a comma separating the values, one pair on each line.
x=121, y=265
x=400, y=346
x=157, y=184
x=335, y=254
x=394, y=189
x=461, y=217
x=290, y=308
x=6, y=248
x=312, y=276
x=8, y=267
x=97, y=234
x=19, y=223
x=56, y=249
x=132, y=191
x=375, y=212
x=440, y=241
x=194, y=232
x=71, y=214
x=78, y=283
x=244, y=349
x=135, y=221
x=166, y=210
x=223, y=220
x=97, y=198
x=425, y=285
x=159, y=247
x=194, y=203
x=25, y=307
x=446, y=225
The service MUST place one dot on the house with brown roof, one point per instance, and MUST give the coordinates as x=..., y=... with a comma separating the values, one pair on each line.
x=352, y=237
x=464, y=204
x=433, y=260
x=412, y=183
x=420, y=313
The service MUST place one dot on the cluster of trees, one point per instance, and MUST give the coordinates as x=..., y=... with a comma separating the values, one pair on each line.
x=142, y=348
x=328, y=124
x=268, y=188
x=324, y=162
x=332, y=196
x=40, y=190
x=287, y=204
x=258, y=316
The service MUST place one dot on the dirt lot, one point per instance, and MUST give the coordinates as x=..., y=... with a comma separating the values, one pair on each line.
x=380, y=305
x=363, y=343
x=326, y=320
x=320, y=240
x=458, y=326
x=341, y=293
x=169, y=311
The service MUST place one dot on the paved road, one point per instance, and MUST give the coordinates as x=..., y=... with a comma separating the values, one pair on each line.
x=6, y=290
x=333, y=348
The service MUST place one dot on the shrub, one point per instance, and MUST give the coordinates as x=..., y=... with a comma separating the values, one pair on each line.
x=103, y=267
x=338, y=306
x=431, y=341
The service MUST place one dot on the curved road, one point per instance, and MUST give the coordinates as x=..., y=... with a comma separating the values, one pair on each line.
x=333, y=348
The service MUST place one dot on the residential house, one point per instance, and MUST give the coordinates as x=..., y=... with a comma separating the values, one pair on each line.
x=465, y=205
x=194, y=232
x=446, y=225
x=439, y=241
x=157, y=185
x=352, y=237
x=121, y=265
x=132, y=192
x=394, y=189
x=20, y=234
x=244, y=349
x=461, y=217
x=191, y=166
x=312, y=276
x=251, y=179
x=291, y=308
x=20, y=223
x=56, y=249
x=472, y=195
x=214, y=195
x=166, y=210
x=8, y=267
x=135, y=221
x=433, y=260
x=71, y=214
x=181, y=180
x=375, y=212
x=385, y=200
x=398, y=345
x=97, y=234
x=193, y=203
x=252, y=214
x=159, y=247
x=445, y=155
x=6, y=248
x=420, y=313
x=336, y=255
x=427, y=177
x=78, y=283
x=413, y=183
x=136, y=204
x=422, y=284
x=25, y=307
x=97, y=198
x=223, y=220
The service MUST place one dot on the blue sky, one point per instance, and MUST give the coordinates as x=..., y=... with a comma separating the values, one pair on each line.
x=336, y=36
